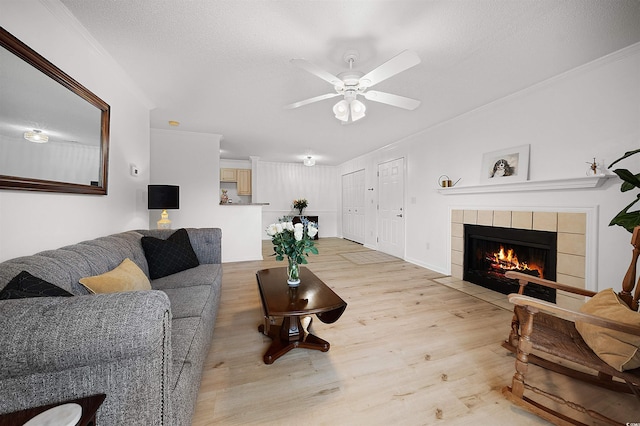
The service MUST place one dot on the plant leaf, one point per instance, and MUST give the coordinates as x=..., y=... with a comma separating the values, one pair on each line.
x=626, y=154
x=630, y=180
x=628, y=220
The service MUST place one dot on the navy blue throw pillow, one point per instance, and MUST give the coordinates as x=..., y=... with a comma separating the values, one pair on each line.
x=166, y=257
x=26, y=285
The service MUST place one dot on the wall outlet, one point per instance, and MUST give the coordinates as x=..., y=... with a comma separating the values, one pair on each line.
x=133, y=169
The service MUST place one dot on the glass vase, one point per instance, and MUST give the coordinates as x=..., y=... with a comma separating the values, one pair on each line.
x=293, y=273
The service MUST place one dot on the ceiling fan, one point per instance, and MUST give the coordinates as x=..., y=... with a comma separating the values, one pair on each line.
x=352, y=83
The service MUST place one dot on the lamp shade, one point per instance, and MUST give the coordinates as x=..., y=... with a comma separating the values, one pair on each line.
x=341, y=110
x=164, y=197
x=357, y=110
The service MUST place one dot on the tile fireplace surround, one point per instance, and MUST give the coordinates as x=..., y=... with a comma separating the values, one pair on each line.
x=570, y=227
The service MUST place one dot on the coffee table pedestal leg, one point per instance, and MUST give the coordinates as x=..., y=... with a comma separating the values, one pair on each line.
x=293, y=333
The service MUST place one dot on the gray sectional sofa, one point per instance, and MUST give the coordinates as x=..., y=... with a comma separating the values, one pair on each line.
x=144, y=349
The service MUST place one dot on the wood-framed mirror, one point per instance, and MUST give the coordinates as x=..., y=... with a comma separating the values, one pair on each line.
x=54, y=132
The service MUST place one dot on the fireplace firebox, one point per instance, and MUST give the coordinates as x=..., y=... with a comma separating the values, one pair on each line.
x=491, y=251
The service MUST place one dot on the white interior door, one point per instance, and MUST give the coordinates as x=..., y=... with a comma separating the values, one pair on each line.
x=353, y=206
x=391, y=207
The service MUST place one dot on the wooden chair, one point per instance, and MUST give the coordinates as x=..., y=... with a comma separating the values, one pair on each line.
x=547, y=329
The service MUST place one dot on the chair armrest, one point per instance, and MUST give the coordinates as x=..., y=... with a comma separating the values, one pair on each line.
x=534, y=305
x=525, y=279
x=51, y=334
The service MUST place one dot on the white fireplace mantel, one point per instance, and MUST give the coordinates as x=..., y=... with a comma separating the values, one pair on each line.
x=531, y=185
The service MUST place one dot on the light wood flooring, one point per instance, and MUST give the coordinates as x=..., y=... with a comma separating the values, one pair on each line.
x=412, y=348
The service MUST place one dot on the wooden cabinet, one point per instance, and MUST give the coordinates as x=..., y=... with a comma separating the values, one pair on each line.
x=228, y=175
x=244, y=181
x=241, y=176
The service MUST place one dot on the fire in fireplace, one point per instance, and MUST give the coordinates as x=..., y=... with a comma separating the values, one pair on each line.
x=490, y=252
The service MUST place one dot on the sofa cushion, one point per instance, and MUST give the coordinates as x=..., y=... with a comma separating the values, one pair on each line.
x=65, y=266
x=53, y=268
x=166, y=257
x=25, y=285
x=188, y=302
x=126, y=277
x=618, y=349
x=206, y=274
x=183, y=335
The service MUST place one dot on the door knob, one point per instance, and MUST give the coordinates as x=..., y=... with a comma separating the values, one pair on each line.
x=399, y=215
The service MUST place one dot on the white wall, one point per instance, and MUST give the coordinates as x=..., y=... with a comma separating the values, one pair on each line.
x=593, y=111
x=192, y=161
x=280, y=183
x=189, y=160
x=32, y=221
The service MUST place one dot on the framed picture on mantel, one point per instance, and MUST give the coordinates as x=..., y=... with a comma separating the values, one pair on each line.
x=506, y=165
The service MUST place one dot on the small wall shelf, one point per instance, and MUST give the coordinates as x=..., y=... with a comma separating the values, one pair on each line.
x=530, y=185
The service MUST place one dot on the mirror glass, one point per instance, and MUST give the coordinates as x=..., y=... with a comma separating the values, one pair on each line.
x=53, y=131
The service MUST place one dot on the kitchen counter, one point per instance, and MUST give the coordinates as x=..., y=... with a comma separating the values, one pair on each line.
x=245, y=204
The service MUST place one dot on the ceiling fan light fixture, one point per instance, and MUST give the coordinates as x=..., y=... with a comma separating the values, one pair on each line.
x=352, y=83
x=36, y=136
x=358, y=110
x=309, y=161
x=341, y=110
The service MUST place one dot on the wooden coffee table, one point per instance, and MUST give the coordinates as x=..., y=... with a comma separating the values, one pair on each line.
x=89, y=406
x=295, y=305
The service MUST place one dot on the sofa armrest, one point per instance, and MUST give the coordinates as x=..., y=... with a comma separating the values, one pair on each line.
x=50, y=334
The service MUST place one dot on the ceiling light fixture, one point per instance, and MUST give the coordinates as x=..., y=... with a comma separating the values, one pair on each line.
x=310, y=161
x=349, y=105
x=352, y=83
x=357, y=110
x=36, y=136
x=341, y=110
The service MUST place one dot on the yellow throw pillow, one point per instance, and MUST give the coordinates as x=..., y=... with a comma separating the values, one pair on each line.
x=126, y=277
x=618, y=349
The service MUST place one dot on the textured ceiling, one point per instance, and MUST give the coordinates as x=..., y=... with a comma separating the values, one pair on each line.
x=223, y=66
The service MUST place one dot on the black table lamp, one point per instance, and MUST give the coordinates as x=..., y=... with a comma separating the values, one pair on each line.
x=164, y=197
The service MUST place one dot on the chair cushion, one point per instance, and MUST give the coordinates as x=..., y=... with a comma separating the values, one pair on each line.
x=166, y=257
x=618, y=349
x=126, y=277
x=25, y=285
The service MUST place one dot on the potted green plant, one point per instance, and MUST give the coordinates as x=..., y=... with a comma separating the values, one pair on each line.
x=627, y=219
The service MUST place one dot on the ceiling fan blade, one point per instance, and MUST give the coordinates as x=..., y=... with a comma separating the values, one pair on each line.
x=317, y=71
x=395, y=100
x=311, y=100
x=402, y=61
